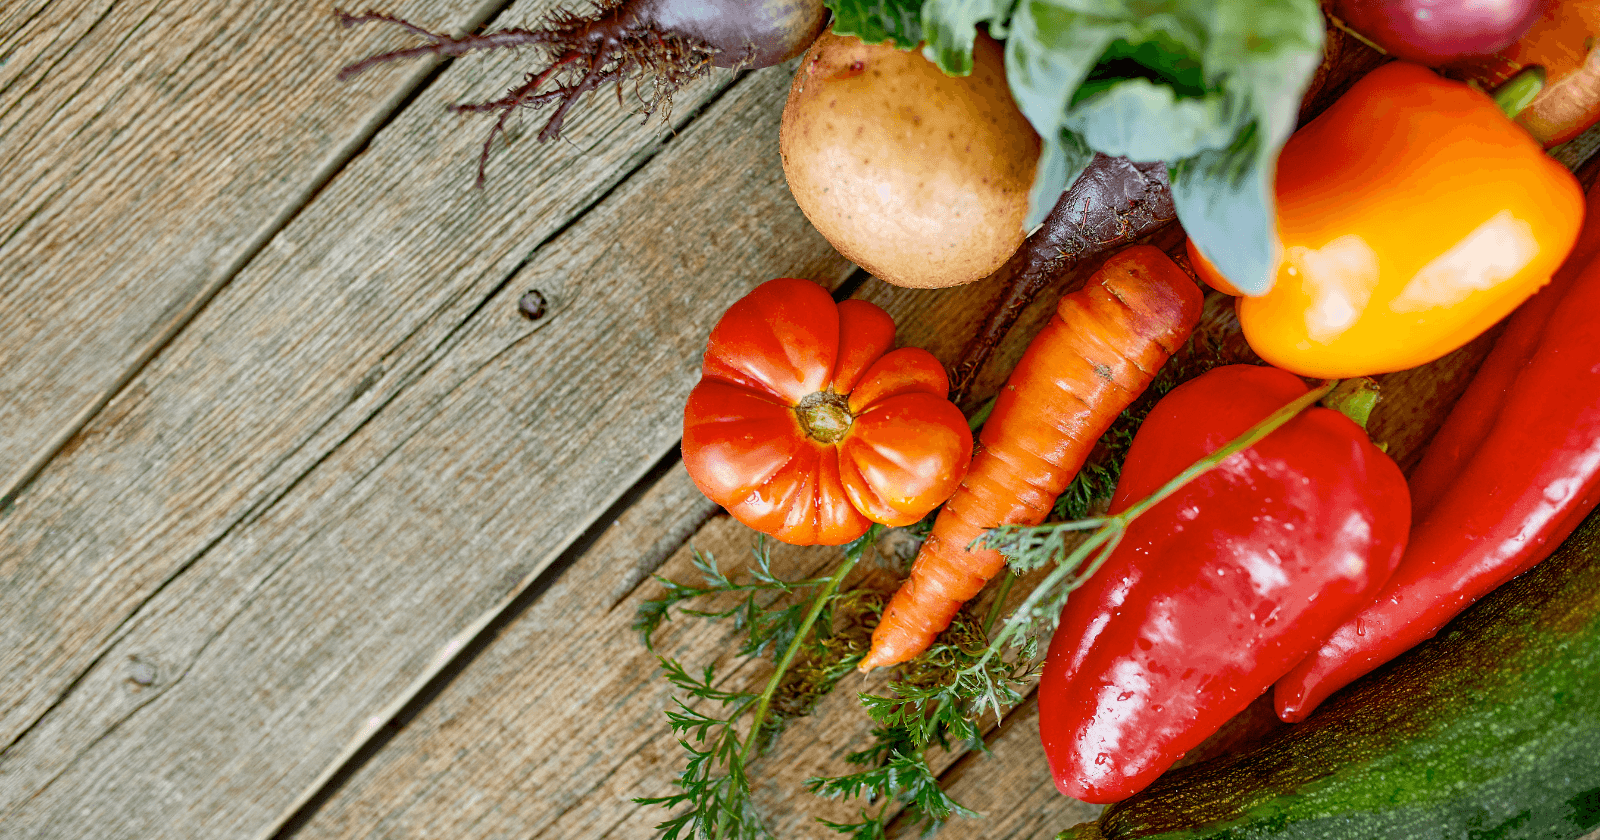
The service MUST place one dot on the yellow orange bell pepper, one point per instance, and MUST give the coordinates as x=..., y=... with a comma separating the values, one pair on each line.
x=1413, y=215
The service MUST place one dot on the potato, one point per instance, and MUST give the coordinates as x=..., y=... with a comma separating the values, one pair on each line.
x=918, y=177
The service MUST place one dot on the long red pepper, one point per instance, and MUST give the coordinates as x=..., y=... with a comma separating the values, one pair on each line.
x=1531, y=474
x=1480, y=404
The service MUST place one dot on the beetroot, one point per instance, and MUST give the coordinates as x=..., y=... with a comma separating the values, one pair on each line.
x=1113, y=202
x=665, y=42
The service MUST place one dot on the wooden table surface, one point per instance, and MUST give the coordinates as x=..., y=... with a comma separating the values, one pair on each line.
x=304, y=530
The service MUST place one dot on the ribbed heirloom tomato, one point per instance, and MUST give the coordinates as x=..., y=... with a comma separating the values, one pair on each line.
x=808, y=426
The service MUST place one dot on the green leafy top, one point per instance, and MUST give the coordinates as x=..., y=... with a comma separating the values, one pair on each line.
x=876, y=21
x=1211, y=87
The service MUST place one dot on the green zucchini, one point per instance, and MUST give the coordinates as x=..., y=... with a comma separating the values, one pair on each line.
x=1488, y=731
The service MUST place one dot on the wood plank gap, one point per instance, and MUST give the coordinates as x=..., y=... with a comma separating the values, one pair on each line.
x=440, y=351
x=466, y=647
x=38, y=11
x=851, y=285
x=15, y=485
x=395, y=105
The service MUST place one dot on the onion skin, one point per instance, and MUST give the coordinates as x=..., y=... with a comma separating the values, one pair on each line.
x=1440, y=32
x=745, y=33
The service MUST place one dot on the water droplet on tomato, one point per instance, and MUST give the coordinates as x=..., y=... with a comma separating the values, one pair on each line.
x=1124, y=696
x=1102, y=759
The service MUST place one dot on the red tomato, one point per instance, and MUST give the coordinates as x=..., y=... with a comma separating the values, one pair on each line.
x=808, y=426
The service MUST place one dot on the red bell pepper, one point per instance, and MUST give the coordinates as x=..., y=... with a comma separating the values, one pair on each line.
x=1513, y=470
x=1218, y=590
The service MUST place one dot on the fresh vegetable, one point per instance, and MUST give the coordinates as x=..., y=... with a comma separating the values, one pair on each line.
x=1096, y=355
x=806, y=425
x=1113, y=202
x=1492, y=729
x=1437, y=32
x=1532, y=474
x=1476, y=410
x=1413, y=216
x=918, y=177
x=898, y=22
x=1563, y=45
x=647, y=45
x=932, y=705
x=1223, y=587
x=1211, y=87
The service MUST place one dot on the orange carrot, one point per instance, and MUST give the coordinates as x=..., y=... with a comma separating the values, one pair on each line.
x=1090, y=362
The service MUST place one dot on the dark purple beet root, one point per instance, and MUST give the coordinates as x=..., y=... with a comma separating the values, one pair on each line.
x=1113, y=202
x=666, y=43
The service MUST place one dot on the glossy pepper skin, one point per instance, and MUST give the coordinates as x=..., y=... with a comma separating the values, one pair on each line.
x=809, y=426
x=1413, y=216
x=1479, y=406
x=1217, y=591
x=1494, y=510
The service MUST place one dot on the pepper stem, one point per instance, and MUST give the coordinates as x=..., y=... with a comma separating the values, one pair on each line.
x=1354, y=398
x=1518, y=91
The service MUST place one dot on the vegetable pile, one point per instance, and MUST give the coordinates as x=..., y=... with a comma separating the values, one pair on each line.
x=1086, y=366
x=1217, y=536
x=1211, y=87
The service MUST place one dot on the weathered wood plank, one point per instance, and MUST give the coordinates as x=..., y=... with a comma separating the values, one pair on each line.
x=359, y=448
x=148, y=150
x=344, y=309
x=1012, y=787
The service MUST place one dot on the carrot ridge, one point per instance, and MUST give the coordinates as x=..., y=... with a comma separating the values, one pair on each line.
x=1100, y=350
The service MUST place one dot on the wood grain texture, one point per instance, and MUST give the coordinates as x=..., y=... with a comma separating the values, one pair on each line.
x=148, y=150
x=332, y=320
x=359, y=448
x=356, y=455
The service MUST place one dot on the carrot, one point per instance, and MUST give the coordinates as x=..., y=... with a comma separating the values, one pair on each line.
x=1099, y=351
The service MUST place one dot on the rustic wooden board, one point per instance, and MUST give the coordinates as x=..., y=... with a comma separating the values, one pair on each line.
x=149, y=151
x=356, y=460
x=358, y=449
x=161, y=478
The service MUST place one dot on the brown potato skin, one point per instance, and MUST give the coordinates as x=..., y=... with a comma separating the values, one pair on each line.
x=920, y=178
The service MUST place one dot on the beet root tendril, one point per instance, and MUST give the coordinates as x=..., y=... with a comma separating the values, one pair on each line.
x=658, y=45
